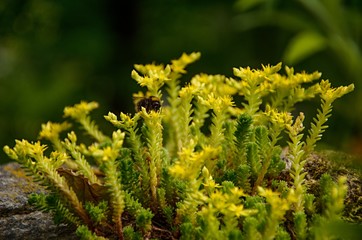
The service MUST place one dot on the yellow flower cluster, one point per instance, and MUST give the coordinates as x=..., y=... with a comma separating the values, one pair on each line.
x=80, y=110
x=329, y=94
x=180, y=64
x=51, y=130
x=278, y=205
x=190, y=162
x=218, y=104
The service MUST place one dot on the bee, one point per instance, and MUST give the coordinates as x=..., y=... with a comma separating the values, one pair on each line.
x=150, y=103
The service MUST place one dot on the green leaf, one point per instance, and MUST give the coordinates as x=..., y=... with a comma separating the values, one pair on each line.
x=300, y=222
x=303, y=46
x=253, y=158
x=243, y=129
x=85, y=234
x=244, y=5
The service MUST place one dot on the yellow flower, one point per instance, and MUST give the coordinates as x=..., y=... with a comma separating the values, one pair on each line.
x=188, y=91
x=298, y=126
x=211, y=184
x=178, y=170
x=279, y=118
x=179, y=65
x=80, y=110
x=237, y=210
x=52, y=130
x=269, y=70
x=146, y=69
x=209, y=152
x=278, y=205
x=109, y=154
x=151, y=116
x=237, y=192
x=118, y=138
x=153, y=77
x=217, y=103
x=334, y=93
x=72, y=137
x=127, y=120
x=36, y=149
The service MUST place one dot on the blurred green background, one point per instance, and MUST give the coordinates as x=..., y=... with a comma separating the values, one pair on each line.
x=56, y=53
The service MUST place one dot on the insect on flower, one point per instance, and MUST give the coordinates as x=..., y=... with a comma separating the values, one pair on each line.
x=151, y=103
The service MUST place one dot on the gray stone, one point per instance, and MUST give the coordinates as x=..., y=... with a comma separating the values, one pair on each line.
x=19, y=220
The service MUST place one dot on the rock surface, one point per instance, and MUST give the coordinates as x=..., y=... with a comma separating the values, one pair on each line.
x=19, y=220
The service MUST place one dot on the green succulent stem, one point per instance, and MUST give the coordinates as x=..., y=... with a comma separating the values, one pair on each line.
x=154, y=129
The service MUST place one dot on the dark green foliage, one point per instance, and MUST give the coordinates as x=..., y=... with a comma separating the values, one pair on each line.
x=239, y=176
x=280, y=186
x=250, y=229
x=277, y=165
x=39, y=201
x=235, y=234
x=325, y=188
x=252, y=155
x=252, y=202
x=130, y=175
x=309, y=203
x=243, y=129
x=255, y=225
x=51, y=203
x=85, y=234
x=282, y=234
x=97, y=213
x=130, y=234
x=168, y=211
x=227, y=186
x=143, y=216
x=187, y=231
x=300, y=223
x=242, y=134
x=173, y=188
x=143, y=219
x=262, y=141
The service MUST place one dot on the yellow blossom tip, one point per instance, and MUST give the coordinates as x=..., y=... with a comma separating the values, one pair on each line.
x=52, y=130
x=80, y=110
